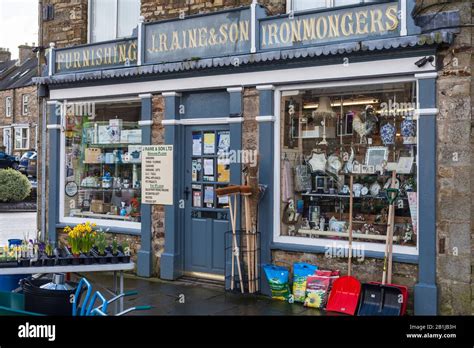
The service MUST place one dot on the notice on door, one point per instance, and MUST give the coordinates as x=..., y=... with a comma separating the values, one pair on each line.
x=157, y=174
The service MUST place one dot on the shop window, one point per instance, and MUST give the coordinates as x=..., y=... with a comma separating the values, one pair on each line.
x=113, y=19
x=306, y=5
x=102, y=164
x=21, y=138
x=8, y=107
x=327, y=136
x=24, y=104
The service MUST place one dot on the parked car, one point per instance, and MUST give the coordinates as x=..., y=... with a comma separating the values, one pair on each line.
x=32, y=168
x=7, y=161
x=24, y=161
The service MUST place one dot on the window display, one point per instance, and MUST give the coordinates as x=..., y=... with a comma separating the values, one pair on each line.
x=102, y=168
x=327, y=136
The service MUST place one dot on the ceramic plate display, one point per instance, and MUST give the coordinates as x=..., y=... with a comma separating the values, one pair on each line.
x=317, y=162
x=364, y=191
x=334, y=163
x=387, y=133
x=375, y=189
x=71, y=189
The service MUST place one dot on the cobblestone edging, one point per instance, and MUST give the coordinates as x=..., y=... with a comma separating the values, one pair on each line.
x=18, y=206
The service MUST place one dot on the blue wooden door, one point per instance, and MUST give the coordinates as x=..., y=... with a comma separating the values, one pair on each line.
x=206, y=216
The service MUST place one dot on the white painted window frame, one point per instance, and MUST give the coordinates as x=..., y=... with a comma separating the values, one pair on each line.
x=89, y=21
x=322, y=242
x=25, y=99
x=62, y=182
x=8, y=107
x=21, y=138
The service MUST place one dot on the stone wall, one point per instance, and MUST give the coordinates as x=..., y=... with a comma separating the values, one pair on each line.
x=154, y=10
x=69, y=26
x=455, y=186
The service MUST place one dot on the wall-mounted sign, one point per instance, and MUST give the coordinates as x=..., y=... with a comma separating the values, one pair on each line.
x=317, y=28
x=97, y=56
x=201, y=36
x=157, y=174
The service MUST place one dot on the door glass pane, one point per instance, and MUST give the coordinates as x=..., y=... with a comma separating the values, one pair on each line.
x=128, y=13
x=301, y=5
x=103, y=20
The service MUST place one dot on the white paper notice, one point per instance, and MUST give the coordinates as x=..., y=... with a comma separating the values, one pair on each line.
x=208, y=166
x=157, y=174
x=413, y=203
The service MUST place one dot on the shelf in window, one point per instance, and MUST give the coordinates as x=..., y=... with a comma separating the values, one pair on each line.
x=312, y=232
x=102, y=216
x=85, y=188
x=120, y=163
x=209, y=183
x=339, y=195
x=219, y=210
x=114, y=145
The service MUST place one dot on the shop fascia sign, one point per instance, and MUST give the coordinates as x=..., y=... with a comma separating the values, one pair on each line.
x=121, y=53
x=317, y=28
x=231, y=33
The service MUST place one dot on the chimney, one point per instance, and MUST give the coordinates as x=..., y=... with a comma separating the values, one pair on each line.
x=25, y=52
x=5, y=54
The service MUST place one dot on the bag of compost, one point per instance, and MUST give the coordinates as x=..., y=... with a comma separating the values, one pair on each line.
x=277, y=278
x=301, y=271
x=318, y=287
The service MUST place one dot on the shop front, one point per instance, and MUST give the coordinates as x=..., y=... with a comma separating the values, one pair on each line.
x=298, y=105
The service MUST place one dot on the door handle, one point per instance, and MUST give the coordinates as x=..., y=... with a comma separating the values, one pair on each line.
x=187, y=192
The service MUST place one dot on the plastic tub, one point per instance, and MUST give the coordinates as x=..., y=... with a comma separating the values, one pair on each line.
x=11, y=282
x=44, y=301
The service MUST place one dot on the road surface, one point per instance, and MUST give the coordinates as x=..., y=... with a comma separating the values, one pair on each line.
x=17, y=225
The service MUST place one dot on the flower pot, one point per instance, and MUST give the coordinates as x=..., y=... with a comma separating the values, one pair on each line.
x=25, y=263
x=102, y=259
x=49, y=261
x=87, y=259
x=114, y=258
x=76, y=260
x=37, y=263
x=126, y=259
x=64, y=261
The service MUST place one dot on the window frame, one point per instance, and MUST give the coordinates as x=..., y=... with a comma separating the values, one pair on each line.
x=21, y=128
x=89, y=23
x=290, y=8
x=25, y=99
x=132, y=227
x=326, y=242
x=8, y=106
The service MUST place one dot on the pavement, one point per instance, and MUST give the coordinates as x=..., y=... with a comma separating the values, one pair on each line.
x=188, y=297
x=14, y=225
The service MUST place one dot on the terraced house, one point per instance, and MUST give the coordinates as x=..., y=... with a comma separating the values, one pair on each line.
x=303, y=100
x=18, y=101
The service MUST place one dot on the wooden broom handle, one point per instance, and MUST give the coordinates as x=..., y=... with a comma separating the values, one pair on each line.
x=349, y=261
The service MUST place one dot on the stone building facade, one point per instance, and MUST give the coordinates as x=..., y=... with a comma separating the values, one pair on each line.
x=454, y=145
x=18, y=94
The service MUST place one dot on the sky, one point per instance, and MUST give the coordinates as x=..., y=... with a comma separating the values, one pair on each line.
x=18, y=24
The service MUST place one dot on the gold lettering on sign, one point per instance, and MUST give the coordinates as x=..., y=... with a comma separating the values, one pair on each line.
x=163, y=43
x=192, y=33
x=272, y=34
x=202, y=37
x=362, y=26
x=285, y=32
x=334, y=26
x=376, y=20
x=233, y=33
x=86, y=57
x=175, y=42
x=296, y=31
x=123, y=53
x=244, y=31
x=321, y=27
x=223, y=32
x=391, y=14
x=77, y=56
x=132, y=52
x=346, y=27
x=309, y=31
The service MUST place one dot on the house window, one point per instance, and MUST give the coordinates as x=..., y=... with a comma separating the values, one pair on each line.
x=8, y=107
x=305, y=5
x=329, y=135
x=101, y=170
x=22, y=138
x=24, y=104
x=112, y=19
